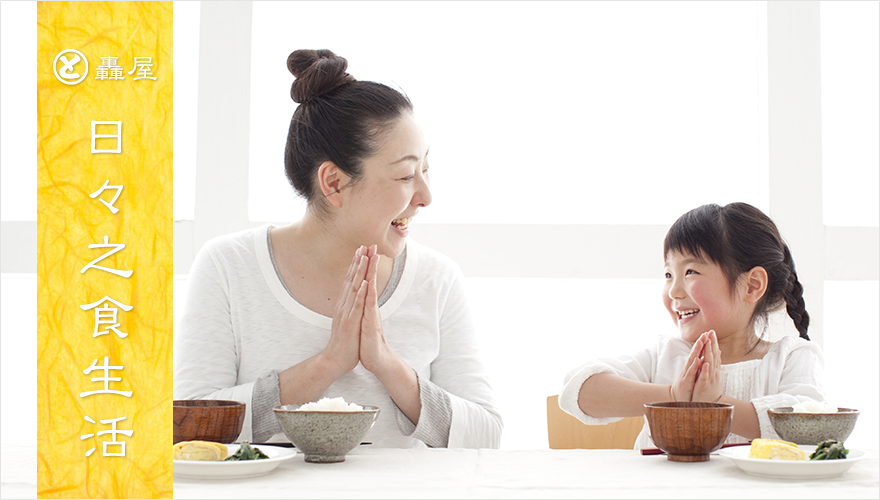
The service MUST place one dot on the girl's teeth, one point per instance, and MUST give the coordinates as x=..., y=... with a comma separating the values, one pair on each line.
x=687, y=314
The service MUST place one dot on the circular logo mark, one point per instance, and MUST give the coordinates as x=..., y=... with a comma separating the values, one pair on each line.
x=67, y=72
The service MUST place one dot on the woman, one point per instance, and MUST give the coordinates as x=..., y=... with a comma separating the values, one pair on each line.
x=339, y=303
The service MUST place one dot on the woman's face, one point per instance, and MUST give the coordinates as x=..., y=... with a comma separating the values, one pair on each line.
x=394, y=186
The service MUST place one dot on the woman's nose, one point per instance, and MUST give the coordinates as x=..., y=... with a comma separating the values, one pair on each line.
x=422, y=196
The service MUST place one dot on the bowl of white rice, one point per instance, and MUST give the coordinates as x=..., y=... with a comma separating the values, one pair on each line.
x=324, y=431
x=812, y=422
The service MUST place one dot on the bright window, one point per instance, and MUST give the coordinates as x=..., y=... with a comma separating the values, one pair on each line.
x=18, y=349
x=850, y=52
x=186, y=101
x=851, y=344
x=558, y=325
x=562, y=112
x=18, y=143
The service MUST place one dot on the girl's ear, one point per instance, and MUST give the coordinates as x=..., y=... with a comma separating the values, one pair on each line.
x=331, y=180
x=756, y=284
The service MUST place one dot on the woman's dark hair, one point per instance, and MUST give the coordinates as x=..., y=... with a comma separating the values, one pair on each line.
x=339, y=119
x=739, y=237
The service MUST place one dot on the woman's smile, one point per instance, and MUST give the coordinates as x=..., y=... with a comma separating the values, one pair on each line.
x=401, y=225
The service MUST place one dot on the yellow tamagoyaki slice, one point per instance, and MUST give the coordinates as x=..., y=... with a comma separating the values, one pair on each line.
x=205, y=451
x=775, y=449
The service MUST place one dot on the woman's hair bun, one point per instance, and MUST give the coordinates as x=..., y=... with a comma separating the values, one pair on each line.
x=317, y=72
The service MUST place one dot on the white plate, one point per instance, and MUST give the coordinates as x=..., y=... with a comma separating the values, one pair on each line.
x=192, y=469
x=792, y=469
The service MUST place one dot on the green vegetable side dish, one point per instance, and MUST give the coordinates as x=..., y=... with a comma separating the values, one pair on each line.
x=829, y=450
x=246, y=452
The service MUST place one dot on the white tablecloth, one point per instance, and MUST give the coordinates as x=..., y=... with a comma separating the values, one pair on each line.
x=391, y=473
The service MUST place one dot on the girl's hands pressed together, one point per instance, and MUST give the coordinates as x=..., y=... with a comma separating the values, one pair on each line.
x=683, y=387
x=700, y=378
x=708, y=383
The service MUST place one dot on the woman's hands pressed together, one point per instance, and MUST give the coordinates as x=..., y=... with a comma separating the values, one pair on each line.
x=700, y=378
x=356, y=335
x=342, y=349
x=375, y=353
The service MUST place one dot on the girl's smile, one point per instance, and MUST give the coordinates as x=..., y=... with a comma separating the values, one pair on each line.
x=685, y=316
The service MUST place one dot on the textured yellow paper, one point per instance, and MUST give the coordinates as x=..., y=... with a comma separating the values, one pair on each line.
x=69, y=221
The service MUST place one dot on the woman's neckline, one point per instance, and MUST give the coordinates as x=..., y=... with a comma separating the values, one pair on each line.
x=396, y=273
x=276, y=286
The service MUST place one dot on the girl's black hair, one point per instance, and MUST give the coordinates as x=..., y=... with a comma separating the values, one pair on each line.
x=739, y=237
x=339, y=119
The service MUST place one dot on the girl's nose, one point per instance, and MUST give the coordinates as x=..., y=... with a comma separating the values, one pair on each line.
x=676, y=291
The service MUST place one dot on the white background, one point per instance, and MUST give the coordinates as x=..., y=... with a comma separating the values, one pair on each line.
x=549, y=124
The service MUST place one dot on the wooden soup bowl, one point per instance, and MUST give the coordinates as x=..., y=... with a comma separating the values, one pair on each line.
x=689, y=432
x=207, y=420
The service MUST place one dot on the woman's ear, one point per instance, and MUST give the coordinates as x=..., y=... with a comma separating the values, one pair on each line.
x=331, y=180
x=756, y=284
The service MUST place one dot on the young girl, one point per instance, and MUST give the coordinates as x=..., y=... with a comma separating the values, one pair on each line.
x=726, y=269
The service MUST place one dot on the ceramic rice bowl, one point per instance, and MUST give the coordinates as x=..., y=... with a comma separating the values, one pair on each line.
x=812, y=428
x=689, y=432
x=325, y=436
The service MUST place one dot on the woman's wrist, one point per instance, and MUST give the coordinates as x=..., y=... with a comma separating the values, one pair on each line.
x=393, y=371
x=328, y=367
x=306, y=381
x=402, y=384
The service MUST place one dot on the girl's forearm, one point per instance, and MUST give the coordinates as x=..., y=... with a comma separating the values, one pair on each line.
x=745, y=418
x=607, y=395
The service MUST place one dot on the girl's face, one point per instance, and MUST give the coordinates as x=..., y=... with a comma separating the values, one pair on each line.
x=395, y=185
x=698, y=297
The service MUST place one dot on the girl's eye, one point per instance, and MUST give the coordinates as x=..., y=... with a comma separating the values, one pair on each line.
x=690, y=271
x=668, y=276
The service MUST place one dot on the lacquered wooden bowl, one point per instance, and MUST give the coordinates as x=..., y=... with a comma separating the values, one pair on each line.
x=689, y=432
x=207, y=420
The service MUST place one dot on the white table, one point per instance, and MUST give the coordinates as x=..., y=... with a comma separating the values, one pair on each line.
x=392, y=473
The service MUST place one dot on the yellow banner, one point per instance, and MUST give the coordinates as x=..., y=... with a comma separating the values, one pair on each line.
x=104, y=156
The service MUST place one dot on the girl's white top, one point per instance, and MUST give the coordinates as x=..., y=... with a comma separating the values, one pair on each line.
x=788, y=374
x=240, y=324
